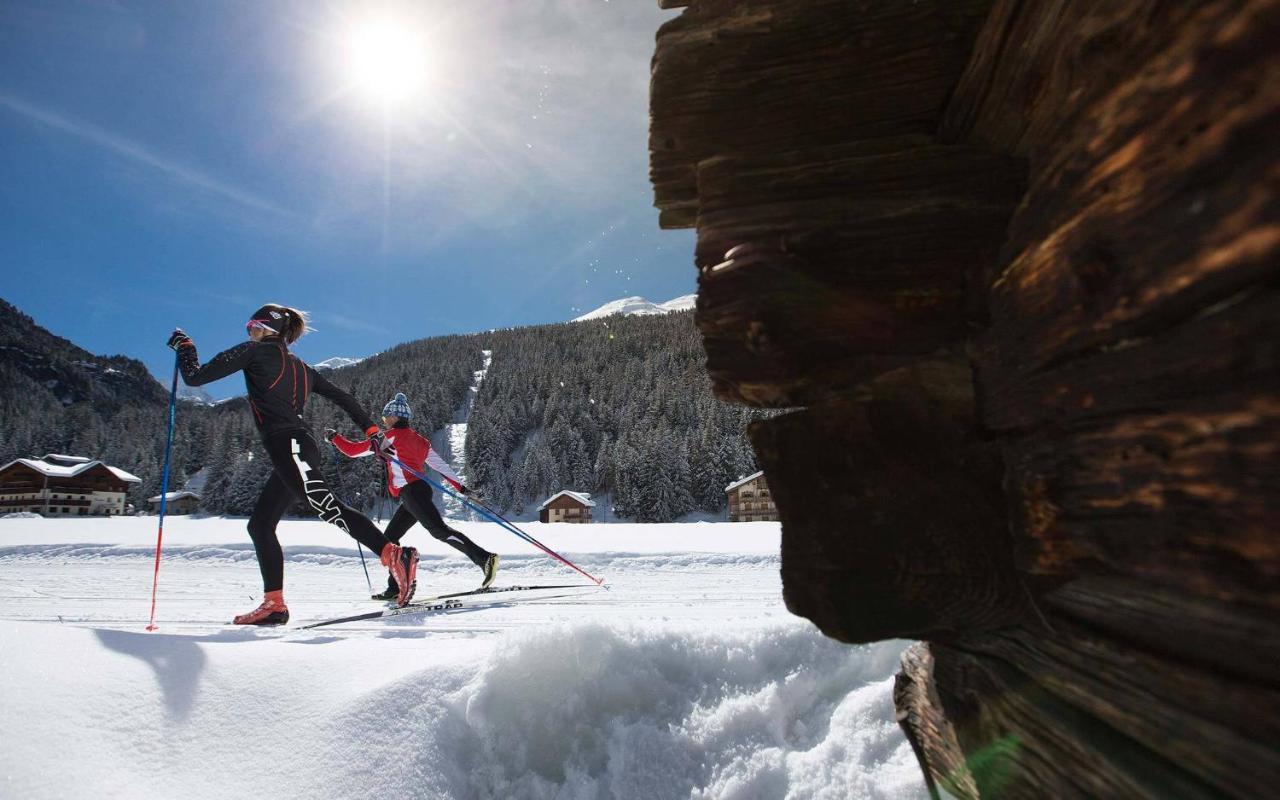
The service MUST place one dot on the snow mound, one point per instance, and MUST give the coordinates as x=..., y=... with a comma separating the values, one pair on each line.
x=594, y=711
x=568, y=711
x=638, y=306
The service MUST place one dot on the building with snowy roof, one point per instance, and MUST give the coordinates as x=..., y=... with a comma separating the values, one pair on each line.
x=183, y=502
x=58, y=485
x=750, y=500
x=567, y=506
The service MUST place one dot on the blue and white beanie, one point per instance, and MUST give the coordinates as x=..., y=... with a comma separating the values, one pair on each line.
x=398, y=407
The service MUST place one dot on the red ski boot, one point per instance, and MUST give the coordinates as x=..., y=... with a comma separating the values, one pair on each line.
x=273, y=611
x=403, y=563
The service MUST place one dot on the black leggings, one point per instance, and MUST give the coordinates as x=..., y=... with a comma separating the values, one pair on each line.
x=297, y=477
x=416, y=506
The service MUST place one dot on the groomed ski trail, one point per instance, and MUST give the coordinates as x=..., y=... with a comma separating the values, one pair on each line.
x=453, y=437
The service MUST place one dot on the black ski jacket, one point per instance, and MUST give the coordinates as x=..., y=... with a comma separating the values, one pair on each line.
x=279, y=383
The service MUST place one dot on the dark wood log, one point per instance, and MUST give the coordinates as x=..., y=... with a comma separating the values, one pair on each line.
x=742, y=77
x=863, y=257
x=1176, y=719
x=1023, y=740
x=1089, y=547
x=1214, y=636
x=1156, y=202
x=928, y=728
x=1229, y=348
x=762, y=297
x=1188, y=499
x=876, y=559
x=1038, y=68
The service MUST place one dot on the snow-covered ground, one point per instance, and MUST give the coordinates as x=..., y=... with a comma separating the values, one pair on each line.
x=453, y=437
x=686, y=678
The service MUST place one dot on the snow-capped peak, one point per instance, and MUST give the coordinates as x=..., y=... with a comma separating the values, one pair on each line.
x=337, y=362
x=638, y=306
x=684, y=302
x=194, y=394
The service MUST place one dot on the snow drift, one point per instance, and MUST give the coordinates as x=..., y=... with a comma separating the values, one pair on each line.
x=586, y=711
x=685, y=679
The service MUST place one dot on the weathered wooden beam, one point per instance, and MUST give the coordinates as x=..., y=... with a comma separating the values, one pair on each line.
x=1038, y=68
x=1187, y=499
x=1133, y=373
x=884, y=212
x=1023, y=740
x=1170, y=719
x=741, y=77
x=1092, y=551
x=928, y=728
x=1217, y=637
x=910, y=540
x=778, y=333
x=1157, y=202
x=861, y=258
x=1228, y=348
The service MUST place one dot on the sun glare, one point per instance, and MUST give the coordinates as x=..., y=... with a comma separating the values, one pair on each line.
x=386, y=62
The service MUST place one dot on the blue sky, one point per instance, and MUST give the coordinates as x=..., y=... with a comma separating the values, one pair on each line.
x=179, y=163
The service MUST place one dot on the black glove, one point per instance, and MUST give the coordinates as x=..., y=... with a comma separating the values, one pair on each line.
x=178, y=339
x=329, y=433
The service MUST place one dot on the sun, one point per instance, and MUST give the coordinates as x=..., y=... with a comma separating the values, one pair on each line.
x=386, y=62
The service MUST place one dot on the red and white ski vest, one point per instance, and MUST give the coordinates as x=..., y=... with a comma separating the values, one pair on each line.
x=407, y=446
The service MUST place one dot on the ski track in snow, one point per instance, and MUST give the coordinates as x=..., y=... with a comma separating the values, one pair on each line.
x=455, y=436
x=687, y=678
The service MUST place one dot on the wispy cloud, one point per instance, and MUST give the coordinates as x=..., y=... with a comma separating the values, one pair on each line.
x=350, y=324
x=176, y=171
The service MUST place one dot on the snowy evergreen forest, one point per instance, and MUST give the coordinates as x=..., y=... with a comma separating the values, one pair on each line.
x=620, y=406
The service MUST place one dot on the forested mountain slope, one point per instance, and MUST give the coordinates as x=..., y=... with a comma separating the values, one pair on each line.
x=621, y=406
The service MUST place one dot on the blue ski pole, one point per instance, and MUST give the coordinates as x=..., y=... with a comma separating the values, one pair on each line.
x=164, y=489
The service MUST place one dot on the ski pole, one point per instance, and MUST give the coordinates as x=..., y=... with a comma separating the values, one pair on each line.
x=491, y=515
x=164, y=489
x=359, y=551
x=511, y=526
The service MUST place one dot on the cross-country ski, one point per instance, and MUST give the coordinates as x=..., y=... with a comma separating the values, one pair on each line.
x=454, y=600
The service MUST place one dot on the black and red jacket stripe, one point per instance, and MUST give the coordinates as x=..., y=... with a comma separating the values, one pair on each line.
x=278, y=383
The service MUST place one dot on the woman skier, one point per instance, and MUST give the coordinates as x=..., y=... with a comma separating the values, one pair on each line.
x=413, y=450
x=279, y=384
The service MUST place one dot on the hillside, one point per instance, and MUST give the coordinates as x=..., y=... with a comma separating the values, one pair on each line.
x=58, y=397
x=621, y=406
